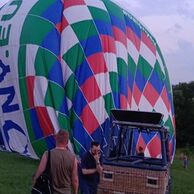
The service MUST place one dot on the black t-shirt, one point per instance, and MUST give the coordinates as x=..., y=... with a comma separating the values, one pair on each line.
x=88, y=162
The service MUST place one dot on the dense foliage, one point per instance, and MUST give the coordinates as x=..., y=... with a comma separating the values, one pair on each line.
x=184, y=113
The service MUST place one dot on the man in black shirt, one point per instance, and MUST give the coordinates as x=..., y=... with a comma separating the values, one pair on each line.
x=91, y=167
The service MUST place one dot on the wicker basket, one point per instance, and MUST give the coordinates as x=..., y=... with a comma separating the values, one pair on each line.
x=127, y=180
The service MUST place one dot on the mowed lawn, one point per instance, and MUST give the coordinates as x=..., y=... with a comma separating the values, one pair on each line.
x=183, y=179
x=16, y=175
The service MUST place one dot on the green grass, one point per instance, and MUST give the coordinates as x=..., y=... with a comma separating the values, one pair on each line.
x=182, y=179
x=16, y=175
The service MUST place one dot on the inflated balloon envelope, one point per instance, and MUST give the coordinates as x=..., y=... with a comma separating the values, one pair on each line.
x=66, y=64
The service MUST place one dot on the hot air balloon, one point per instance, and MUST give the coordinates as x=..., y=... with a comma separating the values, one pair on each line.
x=66, y=64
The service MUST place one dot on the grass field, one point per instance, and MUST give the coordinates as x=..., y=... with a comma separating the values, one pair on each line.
x=183, y=179
x=16, y=172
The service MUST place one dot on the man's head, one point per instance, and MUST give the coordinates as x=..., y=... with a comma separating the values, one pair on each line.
x=95, y=148
x=140, y=149
x=62, y=137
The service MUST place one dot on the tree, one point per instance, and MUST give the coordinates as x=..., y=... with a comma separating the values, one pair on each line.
x=184, y=113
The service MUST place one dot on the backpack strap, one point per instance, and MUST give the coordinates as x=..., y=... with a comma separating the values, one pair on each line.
x=48, y=162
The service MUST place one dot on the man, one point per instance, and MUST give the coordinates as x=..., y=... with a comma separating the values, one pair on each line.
x=63, y=166
x=91, y=168
x=140, y=151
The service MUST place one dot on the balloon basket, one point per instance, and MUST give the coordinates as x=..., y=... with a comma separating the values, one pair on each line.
x=127, y=180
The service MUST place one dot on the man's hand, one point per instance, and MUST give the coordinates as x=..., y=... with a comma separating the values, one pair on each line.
x=99, y=168
x=98, y=165
x=97, y=158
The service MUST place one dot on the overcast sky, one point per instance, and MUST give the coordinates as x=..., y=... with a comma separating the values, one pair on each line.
x=171, y=22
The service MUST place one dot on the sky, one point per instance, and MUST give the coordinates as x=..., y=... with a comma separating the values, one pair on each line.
x=171, y=22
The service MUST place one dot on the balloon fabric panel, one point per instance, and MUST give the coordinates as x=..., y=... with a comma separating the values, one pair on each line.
x=74, y=61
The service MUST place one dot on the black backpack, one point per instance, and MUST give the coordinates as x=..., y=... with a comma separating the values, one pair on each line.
x=43, y=184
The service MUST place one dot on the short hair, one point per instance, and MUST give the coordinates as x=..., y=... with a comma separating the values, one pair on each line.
x=94, y=143
x=140, y=148
x=62, y=137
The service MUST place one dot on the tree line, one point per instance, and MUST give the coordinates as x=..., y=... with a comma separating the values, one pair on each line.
x=183, y=94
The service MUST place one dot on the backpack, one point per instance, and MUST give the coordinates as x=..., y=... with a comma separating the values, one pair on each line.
x=43, y=182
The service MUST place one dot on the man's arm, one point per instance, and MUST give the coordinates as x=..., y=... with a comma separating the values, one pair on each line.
x=99, y=167
x=75, y=177
x=89, y=171
x=41, y=167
